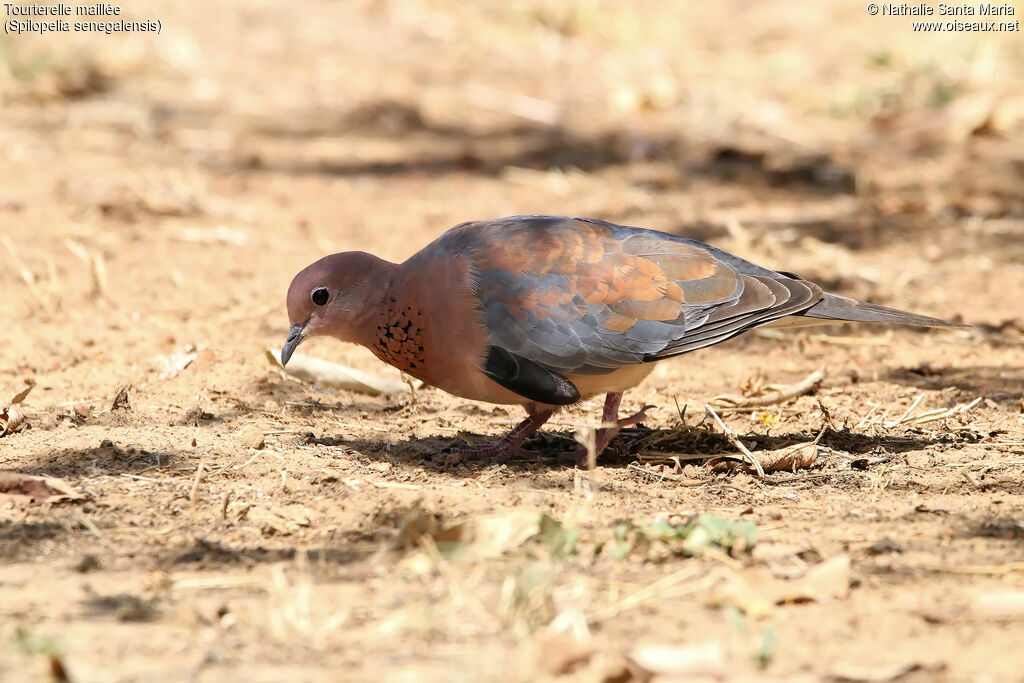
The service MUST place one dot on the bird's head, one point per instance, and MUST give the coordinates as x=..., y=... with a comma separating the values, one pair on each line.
x=333, y=296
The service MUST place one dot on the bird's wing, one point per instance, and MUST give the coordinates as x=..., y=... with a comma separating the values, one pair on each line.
x=576, y=296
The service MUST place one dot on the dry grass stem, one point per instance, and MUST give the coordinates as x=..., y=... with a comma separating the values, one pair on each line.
x=659, y=590
x=907, y=418
x=734, y=440
x=193, y=492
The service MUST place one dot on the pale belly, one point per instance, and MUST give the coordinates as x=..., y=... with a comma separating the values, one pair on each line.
x=469, y=382
x=620, y=380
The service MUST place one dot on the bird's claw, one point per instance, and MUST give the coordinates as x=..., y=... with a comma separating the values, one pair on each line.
x=602, y=438
x=636, y=418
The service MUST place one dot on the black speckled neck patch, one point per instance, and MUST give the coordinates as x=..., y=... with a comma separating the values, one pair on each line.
x=399, y=340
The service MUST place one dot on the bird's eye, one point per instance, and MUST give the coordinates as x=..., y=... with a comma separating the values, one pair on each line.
x=320, y=296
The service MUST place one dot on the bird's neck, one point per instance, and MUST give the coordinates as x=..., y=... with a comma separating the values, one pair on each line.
x=377, y=287
x=395, y=332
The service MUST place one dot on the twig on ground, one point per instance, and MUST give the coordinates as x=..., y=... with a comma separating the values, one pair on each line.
x=734, y=440
x=921, y=418
x=87, y=523
x=871, y=412
x=683, y=481
x=195, y=481
x=807, y=384
x=995, y=569
x=902, y=418
x=666, y=457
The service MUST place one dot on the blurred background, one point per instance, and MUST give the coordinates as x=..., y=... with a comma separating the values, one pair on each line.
x=183, y=178
x=253, y=128
x=158, y=193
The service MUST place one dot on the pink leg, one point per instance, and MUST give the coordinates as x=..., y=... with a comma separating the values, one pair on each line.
x=509, y=444
x=606, y=433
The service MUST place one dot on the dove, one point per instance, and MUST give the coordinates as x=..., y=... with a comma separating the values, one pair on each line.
x=547, y=311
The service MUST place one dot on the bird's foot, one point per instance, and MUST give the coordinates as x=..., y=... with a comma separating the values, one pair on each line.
x=602, y=437
x=634, y=419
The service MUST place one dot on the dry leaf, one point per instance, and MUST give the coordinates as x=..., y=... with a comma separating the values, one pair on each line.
x=483, y=536
x=861, y=673
x=999, y=605
x=786, y=459
x=681, y=660
x=490, y=535
x=20, y=396
x=830, y=579
x=170, y=365
x=789, y=459
x=328, y=374
x=755, y=591
x=123, y=398
x=12, y=418
x=27, y=489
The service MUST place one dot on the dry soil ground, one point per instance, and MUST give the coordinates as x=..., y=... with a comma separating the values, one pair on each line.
x=157, y=193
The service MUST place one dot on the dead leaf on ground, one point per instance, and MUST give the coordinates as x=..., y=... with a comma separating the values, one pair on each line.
x=327, y=374
x=172, y=364
x=999, y=605
x=12, y=418
x=800, y=456
x=755, y=591
x=28, y=489
x=489, y=535
x=484, y=536
x=679, y=661
x=880, y=673
x=123, y=398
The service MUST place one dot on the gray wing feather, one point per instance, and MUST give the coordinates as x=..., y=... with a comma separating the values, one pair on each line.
x=534, y=306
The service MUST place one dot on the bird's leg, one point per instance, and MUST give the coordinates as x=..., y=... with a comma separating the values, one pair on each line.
x=610, y=426
x=509, y=445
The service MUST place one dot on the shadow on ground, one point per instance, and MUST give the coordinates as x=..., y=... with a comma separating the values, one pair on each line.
x=436, y=453
x=108, y=458
x=1004, y=385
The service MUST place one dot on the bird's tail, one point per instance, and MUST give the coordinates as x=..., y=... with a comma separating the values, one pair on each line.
x=835, y=307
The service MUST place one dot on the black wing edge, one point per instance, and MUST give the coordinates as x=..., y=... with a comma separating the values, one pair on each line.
x=528, y=379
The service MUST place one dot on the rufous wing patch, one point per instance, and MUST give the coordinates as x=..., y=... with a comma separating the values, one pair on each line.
x=618, y=323
x=662, y=309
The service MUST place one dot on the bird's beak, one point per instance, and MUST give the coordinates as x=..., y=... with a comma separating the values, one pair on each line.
x=295, y=337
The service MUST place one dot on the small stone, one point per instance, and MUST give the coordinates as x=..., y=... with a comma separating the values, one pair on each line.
x=88, y=563
x=252, y=437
